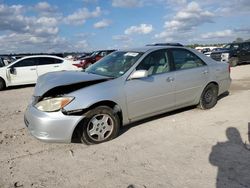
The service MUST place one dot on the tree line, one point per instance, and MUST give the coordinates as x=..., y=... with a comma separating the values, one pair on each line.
x=238, y=39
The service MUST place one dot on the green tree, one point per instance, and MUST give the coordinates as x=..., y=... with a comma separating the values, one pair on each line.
x=238, y=39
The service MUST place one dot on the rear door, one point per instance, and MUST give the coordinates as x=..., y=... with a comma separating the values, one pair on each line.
x=49, y=64
x=191, y=75
x=23, y=72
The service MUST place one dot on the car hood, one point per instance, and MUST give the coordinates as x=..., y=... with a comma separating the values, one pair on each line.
x=62, y=82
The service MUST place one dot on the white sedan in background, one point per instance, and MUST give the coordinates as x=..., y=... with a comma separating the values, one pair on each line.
x=27, y=69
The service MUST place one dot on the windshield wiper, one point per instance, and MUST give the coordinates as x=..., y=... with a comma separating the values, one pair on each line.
x=89, y=72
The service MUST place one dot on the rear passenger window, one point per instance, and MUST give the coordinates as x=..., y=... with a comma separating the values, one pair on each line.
x=49, y=61
x=184, y=59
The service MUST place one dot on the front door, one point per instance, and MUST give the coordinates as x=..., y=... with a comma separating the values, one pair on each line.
x=154, y=93
x=23, y=72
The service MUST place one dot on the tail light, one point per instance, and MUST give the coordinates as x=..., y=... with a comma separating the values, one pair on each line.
x=229, y=68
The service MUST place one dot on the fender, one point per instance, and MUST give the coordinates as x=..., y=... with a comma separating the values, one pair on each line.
x=111, y=90
x=8, y=74
x=4, y=75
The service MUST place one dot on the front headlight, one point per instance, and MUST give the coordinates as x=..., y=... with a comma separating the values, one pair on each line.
x=225, y=56
x=53, y=104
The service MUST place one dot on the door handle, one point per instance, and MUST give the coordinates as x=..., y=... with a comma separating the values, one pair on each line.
x=33, y=69
x=56, y=66
x=170, y=79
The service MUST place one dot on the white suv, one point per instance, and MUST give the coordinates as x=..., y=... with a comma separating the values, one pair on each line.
x=27, y=69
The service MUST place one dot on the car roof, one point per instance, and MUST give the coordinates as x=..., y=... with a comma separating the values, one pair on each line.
x=35, y=56
x=53, y=56
x=165, y=44
x=104, y=50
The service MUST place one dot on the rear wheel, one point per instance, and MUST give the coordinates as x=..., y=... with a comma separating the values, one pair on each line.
x=101, y=124
x=2, y=84
x=209, y=97
x=233, y=61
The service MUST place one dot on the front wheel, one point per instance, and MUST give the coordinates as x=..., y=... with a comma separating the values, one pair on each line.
x=209, y=97
x=101, y=124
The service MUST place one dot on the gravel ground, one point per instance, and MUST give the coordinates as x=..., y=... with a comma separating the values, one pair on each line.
x=185, y=148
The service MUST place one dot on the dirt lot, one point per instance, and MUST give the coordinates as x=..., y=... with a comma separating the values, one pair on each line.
x=186, y=148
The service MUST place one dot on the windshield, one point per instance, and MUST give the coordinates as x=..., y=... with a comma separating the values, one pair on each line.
x=115, y=64
x=231, y=46
x=94, y=53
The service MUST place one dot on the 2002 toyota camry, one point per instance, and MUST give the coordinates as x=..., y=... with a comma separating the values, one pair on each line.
x=123, y=87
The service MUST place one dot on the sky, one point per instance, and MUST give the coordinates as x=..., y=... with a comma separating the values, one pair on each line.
x=34, y=26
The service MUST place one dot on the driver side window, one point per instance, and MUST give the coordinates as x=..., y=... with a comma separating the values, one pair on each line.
x=26, y=63
x=155, y=63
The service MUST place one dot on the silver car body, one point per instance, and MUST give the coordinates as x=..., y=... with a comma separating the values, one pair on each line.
x=134, y=98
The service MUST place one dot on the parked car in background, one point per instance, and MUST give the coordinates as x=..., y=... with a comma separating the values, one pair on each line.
x=2, y=64
x=204, y=49
x=82, y=56
x=27, y=69
x=233, y=53
x=95, y=56
x=7, y=59
x=123, y=87
x=213, y=50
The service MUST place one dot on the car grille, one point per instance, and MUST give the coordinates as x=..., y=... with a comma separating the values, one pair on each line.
x=216, y=56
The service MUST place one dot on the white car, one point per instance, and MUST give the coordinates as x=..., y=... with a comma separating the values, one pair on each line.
x=27, y=69
x=213, y=50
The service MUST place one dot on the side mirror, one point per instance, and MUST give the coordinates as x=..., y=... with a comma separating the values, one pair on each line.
x=12, y=70
x=138, y=74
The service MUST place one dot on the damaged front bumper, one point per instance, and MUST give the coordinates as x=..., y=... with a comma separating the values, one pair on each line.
x=50, y=126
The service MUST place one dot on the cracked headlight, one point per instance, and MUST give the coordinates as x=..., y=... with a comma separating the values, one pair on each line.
x=53, y=104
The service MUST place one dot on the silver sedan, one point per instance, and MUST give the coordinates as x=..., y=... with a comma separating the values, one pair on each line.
x=123, y=87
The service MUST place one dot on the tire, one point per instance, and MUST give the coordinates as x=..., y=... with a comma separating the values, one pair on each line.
x=2, y=84
x=209, y=97
x=233, y=61
x=100, y=125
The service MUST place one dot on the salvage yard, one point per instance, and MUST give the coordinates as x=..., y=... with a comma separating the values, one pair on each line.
x=185, y=148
